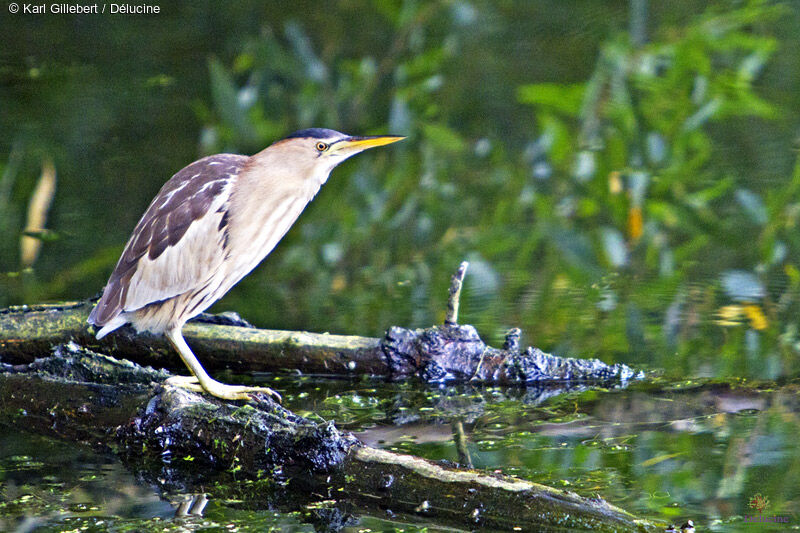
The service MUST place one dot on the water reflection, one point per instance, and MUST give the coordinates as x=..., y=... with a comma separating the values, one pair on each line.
x=44, y=483
x=676, y=451
x=193, y=505
x=670, y=451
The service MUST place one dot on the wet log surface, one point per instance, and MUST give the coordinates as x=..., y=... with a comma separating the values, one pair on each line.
x=450, y=352
x=266, y=455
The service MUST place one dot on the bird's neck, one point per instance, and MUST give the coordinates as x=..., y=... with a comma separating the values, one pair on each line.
x=269, y=171
x=266, y=199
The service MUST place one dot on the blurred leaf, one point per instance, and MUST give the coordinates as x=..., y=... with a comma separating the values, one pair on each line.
x=656, y=148
x=753, y=206
x=660, y=459
x=315, y=69
x=742, y=286
x=758, y=320
x=443, y=137
x=635, y=223
x=564, y=98
x=576, y=249
x=614, y=246
x=38, y=207
x=43, y=235
x=703, y=115
x=585, y=165
x=729, y=316
x=161, y=80
x=226, y=102
x=703, y=197
x=555, y=139
x=482, y=280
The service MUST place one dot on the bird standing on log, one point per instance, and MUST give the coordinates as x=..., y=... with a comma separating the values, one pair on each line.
x=207, y=228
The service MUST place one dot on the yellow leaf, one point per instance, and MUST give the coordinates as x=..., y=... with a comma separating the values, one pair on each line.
x=729, y=315
x=661, y=458
x=635, y=223
x=758, y=319
x=614, y=182
x=338, y=283
x=561, y=283
x=38, y=206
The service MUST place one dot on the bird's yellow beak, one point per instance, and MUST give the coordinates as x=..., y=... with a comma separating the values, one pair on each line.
x=362, y=143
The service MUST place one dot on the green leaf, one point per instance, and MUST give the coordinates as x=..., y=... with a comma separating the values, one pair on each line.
x=226, y=102
x=566, y=98
x=702, y=198
x=444, y=137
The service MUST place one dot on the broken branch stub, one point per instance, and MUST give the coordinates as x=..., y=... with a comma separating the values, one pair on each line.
x=454, y=294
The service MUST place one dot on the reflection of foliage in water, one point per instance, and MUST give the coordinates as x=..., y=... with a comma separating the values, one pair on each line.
x=672, y=450
x=667, y=450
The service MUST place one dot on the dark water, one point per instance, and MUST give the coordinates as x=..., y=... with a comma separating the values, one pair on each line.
x=672, y=452
x=623, y=191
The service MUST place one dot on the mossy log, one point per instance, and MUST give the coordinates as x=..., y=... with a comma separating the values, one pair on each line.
x=449, y=352
x=178, y=438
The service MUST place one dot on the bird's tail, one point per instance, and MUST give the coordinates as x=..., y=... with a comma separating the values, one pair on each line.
x=106, y=327
x=116, y=322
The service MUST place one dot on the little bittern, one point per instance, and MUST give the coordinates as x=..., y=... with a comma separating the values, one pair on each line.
x=207, y=228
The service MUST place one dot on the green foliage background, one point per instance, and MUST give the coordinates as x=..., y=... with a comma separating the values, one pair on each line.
x=634, y=201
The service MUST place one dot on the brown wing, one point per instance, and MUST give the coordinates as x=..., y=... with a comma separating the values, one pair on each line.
x=178, y=242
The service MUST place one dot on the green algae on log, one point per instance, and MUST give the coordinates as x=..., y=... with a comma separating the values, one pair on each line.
x=27, y=332
x=450, y=352
x=76, y=394
x=411, y=484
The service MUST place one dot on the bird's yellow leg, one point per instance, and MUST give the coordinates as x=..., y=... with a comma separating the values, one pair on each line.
x=185, y=382
x=201, y=381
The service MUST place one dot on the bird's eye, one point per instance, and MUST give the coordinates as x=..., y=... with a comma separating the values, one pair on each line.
x=322, y=146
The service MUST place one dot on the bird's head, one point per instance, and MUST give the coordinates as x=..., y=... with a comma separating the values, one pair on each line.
x=322, y=149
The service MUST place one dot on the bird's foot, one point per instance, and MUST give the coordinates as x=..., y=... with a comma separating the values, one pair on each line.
x=220, y=390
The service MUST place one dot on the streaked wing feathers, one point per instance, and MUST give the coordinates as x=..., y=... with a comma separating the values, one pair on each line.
x=179, y=241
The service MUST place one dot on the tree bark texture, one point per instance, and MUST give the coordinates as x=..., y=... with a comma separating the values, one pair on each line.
x=450, y=352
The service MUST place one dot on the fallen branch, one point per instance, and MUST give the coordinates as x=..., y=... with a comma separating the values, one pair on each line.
x=76, y=394
x=28, y=331
x=439, y=353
